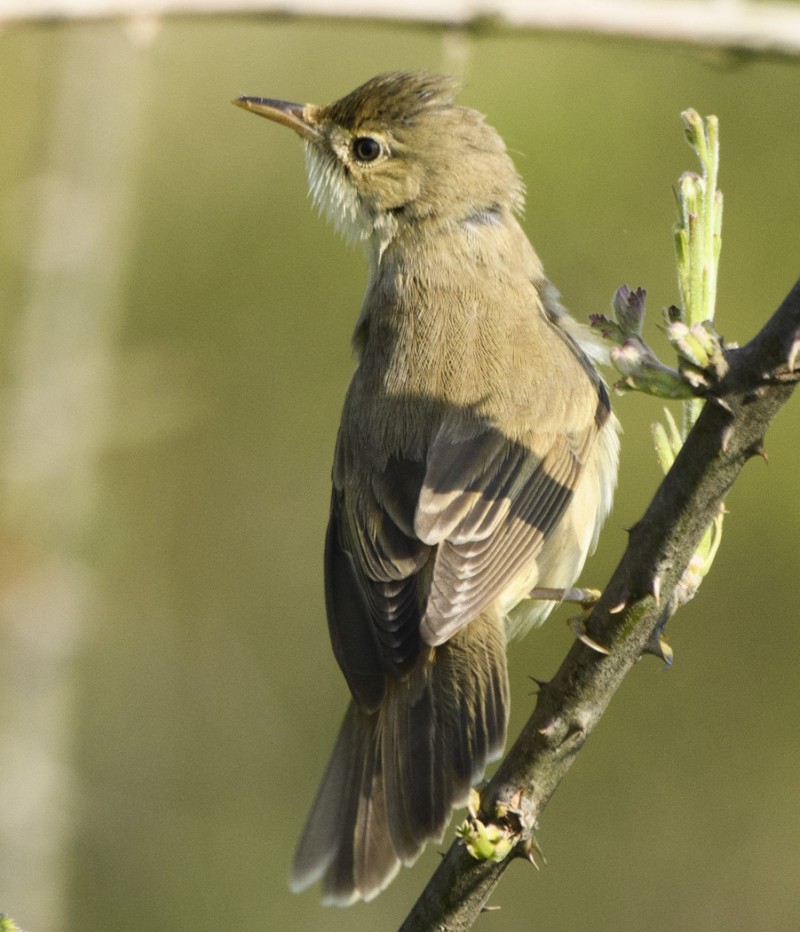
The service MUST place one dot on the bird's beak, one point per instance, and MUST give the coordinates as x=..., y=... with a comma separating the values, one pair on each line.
x=299, y=117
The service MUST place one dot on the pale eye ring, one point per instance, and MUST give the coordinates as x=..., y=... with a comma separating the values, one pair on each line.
x=366, y=149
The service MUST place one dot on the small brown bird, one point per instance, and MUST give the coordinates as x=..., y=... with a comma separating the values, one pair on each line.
x=475, y=462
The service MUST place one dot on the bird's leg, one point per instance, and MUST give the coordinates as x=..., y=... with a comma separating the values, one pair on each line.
x=586, y=598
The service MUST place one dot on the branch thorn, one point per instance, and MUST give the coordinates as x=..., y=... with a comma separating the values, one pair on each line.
x=620, y=606
x=540, y=684
x=659, y=647
x=794, y=349
x=726, y=438
x=655, y=590
x=579, y=630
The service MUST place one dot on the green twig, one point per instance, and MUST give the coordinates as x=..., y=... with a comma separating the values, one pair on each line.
x=701, y=362
x=698, y=235
x=698, y=240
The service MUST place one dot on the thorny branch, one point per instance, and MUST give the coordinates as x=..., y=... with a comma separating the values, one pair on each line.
x=639, y=599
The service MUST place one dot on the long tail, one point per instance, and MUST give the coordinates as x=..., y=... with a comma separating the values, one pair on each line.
x=395, y=775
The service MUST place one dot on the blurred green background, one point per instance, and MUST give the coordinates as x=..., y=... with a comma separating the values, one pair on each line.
x=175, y=348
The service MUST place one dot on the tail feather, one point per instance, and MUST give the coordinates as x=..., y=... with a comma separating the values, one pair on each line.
x=396, y=774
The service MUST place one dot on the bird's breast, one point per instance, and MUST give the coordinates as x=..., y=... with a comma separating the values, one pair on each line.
x=452, y=324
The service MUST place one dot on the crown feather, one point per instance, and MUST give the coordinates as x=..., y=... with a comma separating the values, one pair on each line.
x=392, y=97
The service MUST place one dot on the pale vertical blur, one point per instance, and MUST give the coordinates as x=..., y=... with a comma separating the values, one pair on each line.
x=69, y=237
x=175, y=325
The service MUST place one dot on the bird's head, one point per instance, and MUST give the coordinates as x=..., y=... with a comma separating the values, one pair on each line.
x=397, y=151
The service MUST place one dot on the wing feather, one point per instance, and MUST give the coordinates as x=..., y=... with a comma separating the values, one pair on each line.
x=477, y=513
x=521, y=493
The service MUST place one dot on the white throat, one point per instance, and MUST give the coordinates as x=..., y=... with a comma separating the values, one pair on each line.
x=337, y=199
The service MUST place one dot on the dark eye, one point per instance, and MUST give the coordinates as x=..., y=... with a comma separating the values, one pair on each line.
x=366, y=149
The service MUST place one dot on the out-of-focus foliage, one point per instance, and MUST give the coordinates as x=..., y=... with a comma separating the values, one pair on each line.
x=175, y=326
